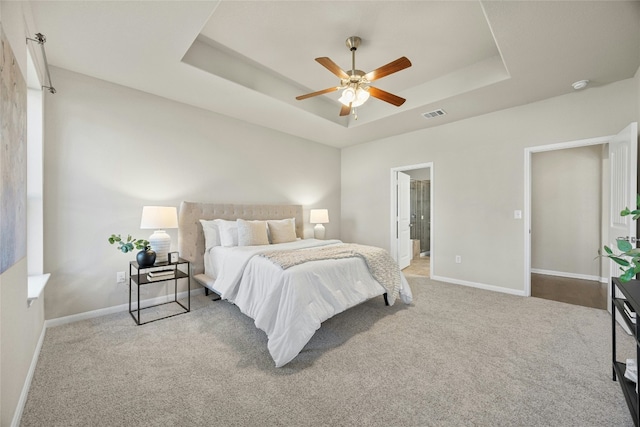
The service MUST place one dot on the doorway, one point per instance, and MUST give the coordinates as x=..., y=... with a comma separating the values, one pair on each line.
x=420, y=214
x=416, y=232
x=619, y=189
x=566, y=225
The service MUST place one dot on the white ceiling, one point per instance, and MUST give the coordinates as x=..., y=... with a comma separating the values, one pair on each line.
x=250, y=59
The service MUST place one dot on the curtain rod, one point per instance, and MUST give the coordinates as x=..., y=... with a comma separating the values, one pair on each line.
x=41, y=39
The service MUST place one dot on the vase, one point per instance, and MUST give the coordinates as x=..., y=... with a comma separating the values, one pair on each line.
x=146, y=258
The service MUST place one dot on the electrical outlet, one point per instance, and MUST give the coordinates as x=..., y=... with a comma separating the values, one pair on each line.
x=120, y=277
x=517, y=214
x=458, y=259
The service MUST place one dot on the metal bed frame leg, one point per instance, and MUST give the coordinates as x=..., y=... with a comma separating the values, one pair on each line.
x=215, y=298
x=386, y=300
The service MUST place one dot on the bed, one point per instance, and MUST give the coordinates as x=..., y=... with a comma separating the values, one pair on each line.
x=286, y=293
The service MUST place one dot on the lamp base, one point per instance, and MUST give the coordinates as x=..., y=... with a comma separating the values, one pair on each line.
x=160, y=243
x=318, y=231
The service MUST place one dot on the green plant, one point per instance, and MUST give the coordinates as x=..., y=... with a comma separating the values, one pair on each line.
x=629, y=257
x=128, y=245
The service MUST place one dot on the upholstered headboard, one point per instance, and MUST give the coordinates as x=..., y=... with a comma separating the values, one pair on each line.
x=191, y=237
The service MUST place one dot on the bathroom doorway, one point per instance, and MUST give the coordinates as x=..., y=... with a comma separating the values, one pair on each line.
x=420, y=222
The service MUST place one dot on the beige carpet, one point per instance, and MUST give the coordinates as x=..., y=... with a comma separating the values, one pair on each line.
x=457, y=357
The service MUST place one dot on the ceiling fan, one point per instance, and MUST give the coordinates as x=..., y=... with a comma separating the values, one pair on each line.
x=355, y=84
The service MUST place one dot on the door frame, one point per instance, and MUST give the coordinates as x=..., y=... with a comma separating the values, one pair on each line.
x=393, y=241
x=528, y=152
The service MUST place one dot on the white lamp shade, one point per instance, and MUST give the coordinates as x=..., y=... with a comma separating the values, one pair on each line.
x=159, y=217
x=348, y=96
x=354, y=97
x=319, y=216
x=361, y=97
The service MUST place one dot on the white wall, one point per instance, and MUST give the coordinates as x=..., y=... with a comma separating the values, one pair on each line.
x=20, y=326
x=637, y=92
x=109, y=150
x=478, y=179
x=566, y=204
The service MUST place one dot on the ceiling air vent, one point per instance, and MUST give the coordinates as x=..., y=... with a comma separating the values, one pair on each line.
x=433, y=114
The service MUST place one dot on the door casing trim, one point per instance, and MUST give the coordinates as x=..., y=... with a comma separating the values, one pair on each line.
x=393, y=241
x=528, y=152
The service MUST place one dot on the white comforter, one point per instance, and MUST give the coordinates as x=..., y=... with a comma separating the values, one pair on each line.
x=289, y=305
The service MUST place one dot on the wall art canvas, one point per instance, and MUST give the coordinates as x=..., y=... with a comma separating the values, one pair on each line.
x=13, y=158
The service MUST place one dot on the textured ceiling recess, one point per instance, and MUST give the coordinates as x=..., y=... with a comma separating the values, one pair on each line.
x=250, y=59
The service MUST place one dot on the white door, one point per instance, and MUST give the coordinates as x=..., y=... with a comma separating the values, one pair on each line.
x=404, y=220
x=623, y=155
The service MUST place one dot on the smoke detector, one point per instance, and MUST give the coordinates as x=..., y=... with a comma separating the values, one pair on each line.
x=580, y=84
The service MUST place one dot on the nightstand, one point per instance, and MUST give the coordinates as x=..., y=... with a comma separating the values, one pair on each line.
x=162, y=272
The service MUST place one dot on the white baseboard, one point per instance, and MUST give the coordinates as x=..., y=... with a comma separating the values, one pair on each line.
x=17, y=416
x=570, y=275
x=480, y=285
x=116, y=309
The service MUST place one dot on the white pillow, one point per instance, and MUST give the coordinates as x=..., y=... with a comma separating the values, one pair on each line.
x=252, y=233
x=211, y=234
x=228, y=232
x=282, y=230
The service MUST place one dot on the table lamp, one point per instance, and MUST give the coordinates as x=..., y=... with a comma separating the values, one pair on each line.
x=159, y=218
x=319, y=217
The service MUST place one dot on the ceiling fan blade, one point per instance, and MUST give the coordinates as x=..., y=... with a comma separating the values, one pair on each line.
x=333, y=67
x=386, y=96
x=345, y=110
x=320, y=92
x=392, y=67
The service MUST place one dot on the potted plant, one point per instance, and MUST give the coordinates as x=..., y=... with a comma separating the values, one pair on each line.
x=629, y=257
x=146, y=257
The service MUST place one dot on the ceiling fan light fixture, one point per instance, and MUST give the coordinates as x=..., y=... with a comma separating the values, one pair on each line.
x=354, y=84
x=354, y=97
x=362, y=94
x=348, y=96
